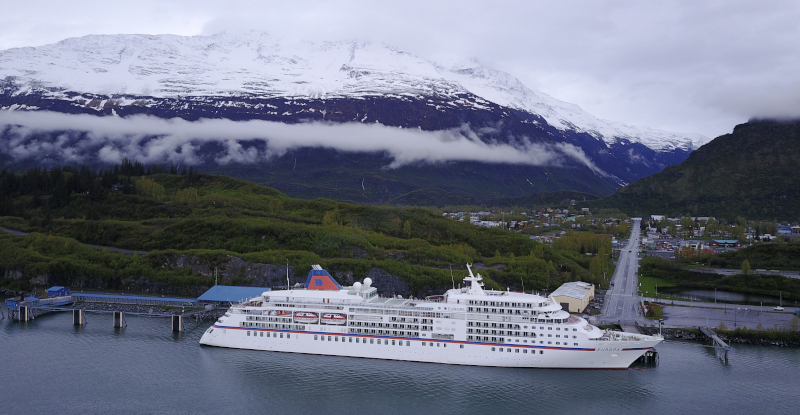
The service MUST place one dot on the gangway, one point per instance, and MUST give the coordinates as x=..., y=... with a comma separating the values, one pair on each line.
x=719, y=345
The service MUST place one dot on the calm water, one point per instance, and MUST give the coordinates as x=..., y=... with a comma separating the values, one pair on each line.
x=726, y=297
x=49, y=366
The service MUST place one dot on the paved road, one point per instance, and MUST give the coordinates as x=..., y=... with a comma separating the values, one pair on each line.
x=733, y=317
x=621, y=304
x=110, y=248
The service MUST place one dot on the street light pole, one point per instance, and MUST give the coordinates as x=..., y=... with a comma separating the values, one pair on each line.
x=715, y=295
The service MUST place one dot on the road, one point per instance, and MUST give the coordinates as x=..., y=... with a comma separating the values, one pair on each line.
x=733, y=316
x=621, y=304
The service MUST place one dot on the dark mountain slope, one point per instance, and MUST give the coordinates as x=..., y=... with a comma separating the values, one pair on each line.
x=752, y=172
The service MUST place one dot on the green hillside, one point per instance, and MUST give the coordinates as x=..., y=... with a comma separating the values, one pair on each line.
x=199, y=227
x=752, y=172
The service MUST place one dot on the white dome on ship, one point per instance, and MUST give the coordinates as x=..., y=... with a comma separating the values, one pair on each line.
x=367, y=282
x=357, y=286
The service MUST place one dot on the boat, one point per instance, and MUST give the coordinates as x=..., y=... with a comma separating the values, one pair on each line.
x=465, y=326
x=334, y=318
x=306, y=317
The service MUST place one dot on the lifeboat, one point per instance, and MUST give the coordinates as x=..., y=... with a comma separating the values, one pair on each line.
x=333, y=318
x=306, y=317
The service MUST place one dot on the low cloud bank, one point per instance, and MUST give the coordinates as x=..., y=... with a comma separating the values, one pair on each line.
x=155, y=140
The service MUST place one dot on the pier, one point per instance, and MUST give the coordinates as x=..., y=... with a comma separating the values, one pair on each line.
x=119, y=306
x=720, y=346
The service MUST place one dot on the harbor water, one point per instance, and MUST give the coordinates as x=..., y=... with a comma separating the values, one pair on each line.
x=50, y=366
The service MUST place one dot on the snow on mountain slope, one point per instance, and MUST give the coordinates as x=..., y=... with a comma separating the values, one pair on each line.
x=257, y=64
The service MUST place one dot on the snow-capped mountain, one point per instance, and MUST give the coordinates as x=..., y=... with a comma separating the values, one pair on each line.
x=169, y=66
x=257, y=76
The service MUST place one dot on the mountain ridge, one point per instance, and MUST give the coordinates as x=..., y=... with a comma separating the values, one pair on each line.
x=256, y=77
x=750, y=172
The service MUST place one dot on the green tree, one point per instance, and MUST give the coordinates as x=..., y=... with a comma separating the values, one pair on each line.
x=746, y=267
x=407, y=229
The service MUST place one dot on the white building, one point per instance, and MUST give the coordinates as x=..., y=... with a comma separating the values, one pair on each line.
x=574, y=294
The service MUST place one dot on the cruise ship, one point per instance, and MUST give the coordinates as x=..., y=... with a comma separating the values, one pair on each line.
x=465, y=326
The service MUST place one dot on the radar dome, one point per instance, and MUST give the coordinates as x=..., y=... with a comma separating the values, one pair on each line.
x=357, y=286
x=367, y=282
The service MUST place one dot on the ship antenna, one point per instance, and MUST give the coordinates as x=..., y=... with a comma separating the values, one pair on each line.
x=287, y=275
x=451, y=276
x=523, y=284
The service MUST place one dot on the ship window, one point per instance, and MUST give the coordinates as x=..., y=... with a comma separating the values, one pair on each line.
x=248, y=333
x=492, y=348
x=315, y=337
x=350, y=339
x=438, y=344
x=549, y=328
x=541, y=351
x=524, y=351
x=574, y=329
x=445, y=345
x=329, y=338
x=287, y=335
x=281, y=335
x=393, y=343
x=423, y=343
x=549, y=342
x=431, y=344
x=559, y=343
x=516, y=350
x=408, y=343
x=576, y=344
x=508, y=350
x=462, y=346
x=336, y=338
x=262, y=334
x=370, y=341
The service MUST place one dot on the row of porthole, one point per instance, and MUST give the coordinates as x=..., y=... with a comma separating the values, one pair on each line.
x=508, y=350
x=274, y=334
x=373, y=341
x=385, y=341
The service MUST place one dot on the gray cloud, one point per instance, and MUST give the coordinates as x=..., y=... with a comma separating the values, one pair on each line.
x=679, y=66
x=155, y=140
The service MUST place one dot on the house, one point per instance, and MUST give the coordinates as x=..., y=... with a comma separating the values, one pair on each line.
x=657, y=218
x=57, y=291
x=727, y=243
x=574, y=296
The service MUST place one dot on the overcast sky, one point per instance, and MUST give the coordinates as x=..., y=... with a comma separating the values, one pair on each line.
x=687, y=66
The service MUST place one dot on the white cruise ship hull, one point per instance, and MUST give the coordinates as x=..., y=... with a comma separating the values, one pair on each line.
x=604, y=355
x=465, y=326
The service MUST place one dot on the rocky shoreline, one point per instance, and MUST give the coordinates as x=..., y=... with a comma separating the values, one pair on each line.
x=694, y=335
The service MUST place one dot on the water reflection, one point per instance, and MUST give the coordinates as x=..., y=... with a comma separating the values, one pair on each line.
x=721, y=296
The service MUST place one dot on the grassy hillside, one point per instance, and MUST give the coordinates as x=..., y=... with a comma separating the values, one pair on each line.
x=751, y=172
x=194, y=223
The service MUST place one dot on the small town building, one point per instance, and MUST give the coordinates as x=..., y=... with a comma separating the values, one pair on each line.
x=727, y=243
x=227, y=294
x=574, y=296
x=57, y=291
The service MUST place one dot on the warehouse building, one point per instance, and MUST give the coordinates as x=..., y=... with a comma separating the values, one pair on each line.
x=574, y=296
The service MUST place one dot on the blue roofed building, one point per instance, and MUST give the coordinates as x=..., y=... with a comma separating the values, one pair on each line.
x=57, y=291
x=226, y=294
